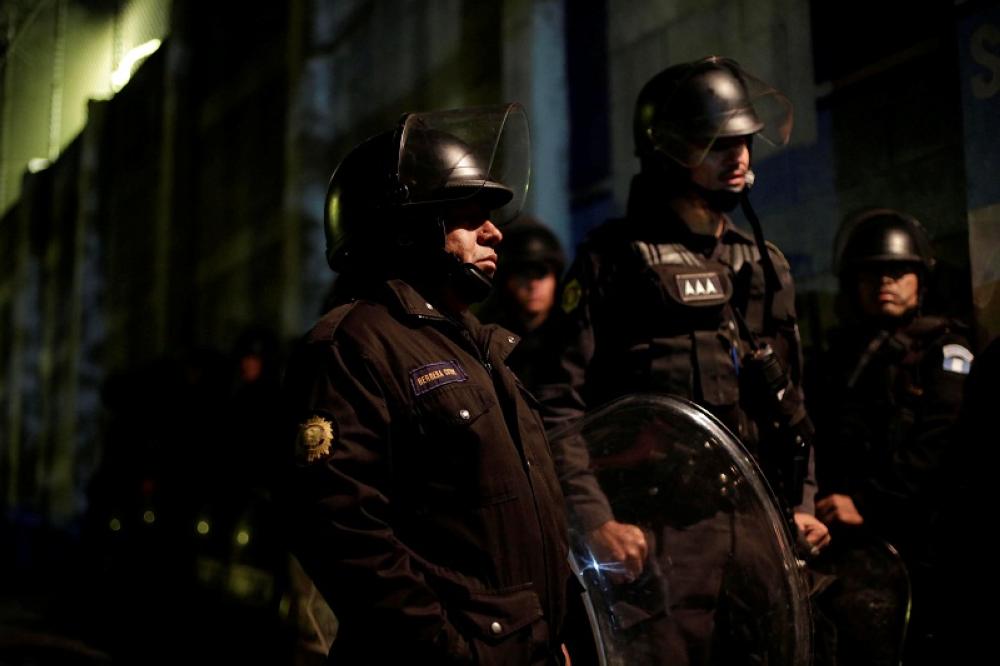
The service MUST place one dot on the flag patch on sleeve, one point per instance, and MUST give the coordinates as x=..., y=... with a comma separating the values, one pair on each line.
x=957, y=359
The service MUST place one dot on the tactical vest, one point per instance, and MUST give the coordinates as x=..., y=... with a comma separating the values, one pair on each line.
x=890, y=370
x=670, y=313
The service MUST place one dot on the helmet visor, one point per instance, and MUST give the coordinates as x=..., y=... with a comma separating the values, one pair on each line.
x=477, y=155
x=718, y=99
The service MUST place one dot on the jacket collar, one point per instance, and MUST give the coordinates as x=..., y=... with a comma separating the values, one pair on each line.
x=498, y=340
x=733, y=234
x=412, y=302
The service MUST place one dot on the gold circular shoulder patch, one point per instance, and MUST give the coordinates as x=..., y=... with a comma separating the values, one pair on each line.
x=314, y=440
x=571, y=295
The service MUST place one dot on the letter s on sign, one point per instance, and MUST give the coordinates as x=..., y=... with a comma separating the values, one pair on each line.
x=986, y=52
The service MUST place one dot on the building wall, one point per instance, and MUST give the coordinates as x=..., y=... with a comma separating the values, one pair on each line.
x=979, y=74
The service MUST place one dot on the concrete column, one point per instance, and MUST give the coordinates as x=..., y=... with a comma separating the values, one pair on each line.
x=534, y=73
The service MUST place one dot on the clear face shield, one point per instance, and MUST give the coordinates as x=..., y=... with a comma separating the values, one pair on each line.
x=479, y=155
x=717, y=99
x=720, y=574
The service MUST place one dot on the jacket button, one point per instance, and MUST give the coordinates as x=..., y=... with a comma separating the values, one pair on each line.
x=429, y=306
x=496, y=629
x=463, y=414
x=510, y=339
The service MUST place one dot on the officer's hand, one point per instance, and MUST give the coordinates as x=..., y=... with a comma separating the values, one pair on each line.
x=813, y=531
x=838, y=509
x=621, y=544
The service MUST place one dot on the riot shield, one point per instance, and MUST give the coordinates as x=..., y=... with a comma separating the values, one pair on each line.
x=869, y=600
x=720, y=583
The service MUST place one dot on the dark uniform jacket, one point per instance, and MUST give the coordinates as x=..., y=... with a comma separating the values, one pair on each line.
x=887, y=427
x=649, y=307
x=534, y=348
x=423, y=500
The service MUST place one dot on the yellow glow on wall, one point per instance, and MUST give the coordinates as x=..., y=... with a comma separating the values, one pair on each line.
x=123, y=72
x=69, y=53
x=36, y=164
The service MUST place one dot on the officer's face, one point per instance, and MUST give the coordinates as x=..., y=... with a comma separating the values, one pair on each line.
x=888, y=290
x=472, y=237
x=534, y=291
x=725, y=166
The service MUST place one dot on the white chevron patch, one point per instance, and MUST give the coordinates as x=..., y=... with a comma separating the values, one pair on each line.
x=699, y=287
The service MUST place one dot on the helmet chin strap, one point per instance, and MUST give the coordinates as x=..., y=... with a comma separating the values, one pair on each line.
x=469, y=282
x=715, y=202
x=722, y=201
x=725, y=201
x=771, y=282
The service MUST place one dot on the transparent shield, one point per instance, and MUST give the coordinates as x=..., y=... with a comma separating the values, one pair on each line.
x=869, y=602
x=719, y=99
x=720, y=582
x=480, y=154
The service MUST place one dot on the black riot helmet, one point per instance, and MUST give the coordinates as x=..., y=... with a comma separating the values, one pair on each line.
x=684, y=109
x=388, y=196
x=529, y=246
x=879, y=236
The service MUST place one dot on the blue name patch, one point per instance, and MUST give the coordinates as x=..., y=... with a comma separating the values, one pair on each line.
x=431, y=376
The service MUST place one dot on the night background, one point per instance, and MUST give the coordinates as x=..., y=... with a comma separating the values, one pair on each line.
x=162, y=172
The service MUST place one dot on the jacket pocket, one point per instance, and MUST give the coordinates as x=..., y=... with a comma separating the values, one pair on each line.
x=506, y=628
x=453, y=406
x=452, y=463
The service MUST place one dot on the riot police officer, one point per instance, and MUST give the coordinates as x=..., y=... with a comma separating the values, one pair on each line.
x=422, y=499
x=531, y=265
x=674, y=298
x=897, y=377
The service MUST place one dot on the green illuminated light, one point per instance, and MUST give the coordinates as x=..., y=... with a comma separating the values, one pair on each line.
x=37, y=164
x=123, y=72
